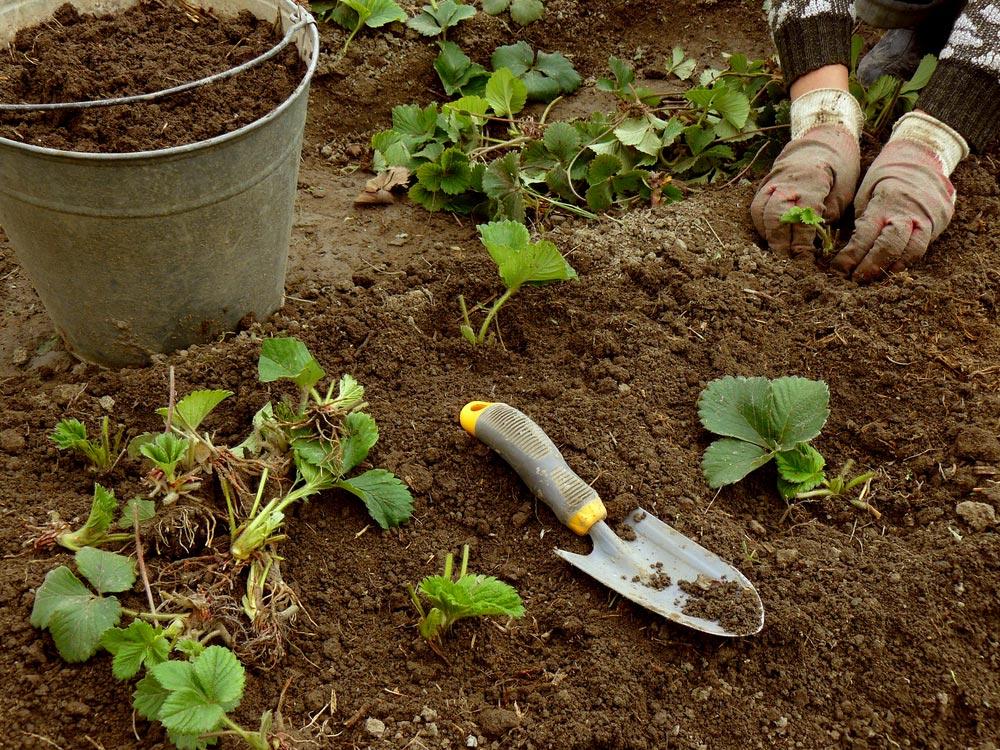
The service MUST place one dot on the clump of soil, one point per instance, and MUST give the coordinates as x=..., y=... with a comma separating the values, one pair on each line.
x=146, y=48
x=732, y=605
x=656, y=580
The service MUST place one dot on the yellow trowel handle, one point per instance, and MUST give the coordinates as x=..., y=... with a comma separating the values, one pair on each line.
x=526, y=447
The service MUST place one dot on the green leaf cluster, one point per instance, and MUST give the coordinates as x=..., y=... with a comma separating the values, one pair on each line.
x=810, y=218
x=101, y=452
x=354, y=15
x=450, y=599
x=489, y=159
x=761, y=420
x=522, y=12
x=435, y=19
x=887, y=97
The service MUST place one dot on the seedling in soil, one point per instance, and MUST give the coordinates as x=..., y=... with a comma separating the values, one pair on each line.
x=96, y=531
x=842, y=487
x=102, y=452
x=810, y=218
x=192, y=699
x=547, y=75
x=354, y=15
x=761, y=420
x=435, y=19
x=453, y=599
x=519, y=261
x=522, y=12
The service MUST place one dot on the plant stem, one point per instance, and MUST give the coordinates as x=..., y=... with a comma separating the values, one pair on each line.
x=141, y=560
x=260, y=492
x=493, y=313
x=465, y=561
x=227, y=493
x=172, y=396
x=157, y=616
x=253, y=739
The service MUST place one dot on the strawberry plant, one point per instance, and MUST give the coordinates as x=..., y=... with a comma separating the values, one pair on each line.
x=96, y=531
x=451, y=599
x=545, y=74
x=102, y=452
x=810, y=218
x=435, y=19
x=488, y=157
x=887, y=97
x=354, y=15
x=522, y=12
x=519, y=261
x=761, y=420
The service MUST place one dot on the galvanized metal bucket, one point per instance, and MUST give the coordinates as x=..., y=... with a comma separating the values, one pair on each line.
x=142, y=253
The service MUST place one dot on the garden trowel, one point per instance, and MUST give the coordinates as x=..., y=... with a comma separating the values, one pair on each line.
x=648, y=564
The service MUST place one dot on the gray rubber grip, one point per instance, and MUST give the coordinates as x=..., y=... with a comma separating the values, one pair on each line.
x=526, y=447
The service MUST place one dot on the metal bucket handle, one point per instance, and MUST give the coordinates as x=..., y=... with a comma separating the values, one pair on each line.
x=285, y=41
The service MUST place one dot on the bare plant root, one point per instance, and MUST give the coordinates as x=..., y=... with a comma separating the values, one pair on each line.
x=183, y=528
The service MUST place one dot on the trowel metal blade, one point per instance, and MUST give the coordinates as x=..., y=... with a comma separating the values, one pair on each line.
x=628, y=567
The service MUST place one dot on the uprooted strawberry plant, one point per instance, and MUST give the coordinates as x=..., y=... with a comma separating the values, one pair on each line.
x=198, y=492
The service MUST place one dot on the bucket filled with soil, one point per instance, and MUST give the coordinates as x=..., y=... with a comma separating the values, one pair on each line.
x=148, y=162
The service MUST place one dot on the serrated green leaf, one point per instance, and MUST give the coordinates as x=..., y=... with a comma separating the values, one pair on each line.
x=106, y=571
x=144, y=508
x=68, y=433
x=603, y=168
x=733, y=106
x=557, y=67
x=381, y=12
x=61, y=588
x=138, y=645
x=728, y=460
x=519, y=260
x=524, y=12
x=921, y=76
x=77, y=629
x=643, y=133
x=388, y=500
x=698, y=138
x=802, y=215
x=102, y=512
x=419, y=124
x=220, y=676
x=175, y=675
x=360, y=436
x=188, y=712
x=679, y=65
x=288, y=358
x=191, y=410
x=470, y=596
x=502, y=184
x=432, y=20
x=801, y=465
x=451, y=174
x=148, y=697
x=191, y=741
x=562, y=141
x=517, y=58
x=456, y=69
x=801, y=408
x=495, y=7
x=506, y=93
x=545, y=75
x=165, y=451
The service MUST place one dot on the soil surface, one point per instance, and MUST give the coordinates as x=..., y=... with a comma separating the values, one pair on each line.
x=146, y=48
x=734, y=606
x=878, y=633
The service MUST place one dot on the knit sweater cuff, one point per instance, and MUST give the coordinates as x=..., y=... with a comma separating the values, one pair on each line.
x=965, y=97
x=810, y=43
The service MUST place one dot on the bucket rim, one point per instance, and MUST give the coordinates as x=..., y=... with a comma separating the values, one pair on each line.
x=298, y=14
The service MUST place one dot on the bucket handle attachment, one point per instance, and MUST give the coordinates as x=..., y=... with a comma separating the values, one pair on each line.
x=308, y=20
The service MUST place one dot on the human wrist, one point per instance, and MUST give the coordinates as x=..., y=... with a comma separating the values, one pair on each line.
x=826, y=106
x=942, y=140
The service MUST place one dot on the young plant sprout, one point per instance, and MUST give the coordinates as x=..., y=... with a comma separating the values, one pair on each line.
x=522, y=12
x=519, y=261
x=354, y=15
x=841, y=487
x=102, y=452
x=440, y=15
x=808, y=217
x=469, y=595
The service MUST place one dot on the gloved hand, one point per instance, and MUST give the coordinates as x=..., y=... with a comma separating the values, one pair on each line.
x=905, y=201
x=818, y=169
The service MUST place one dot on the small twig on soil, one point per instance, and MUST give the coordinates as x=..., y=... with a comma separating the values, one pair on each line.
x=141, y=560
x=281, y=698
x=356, y=716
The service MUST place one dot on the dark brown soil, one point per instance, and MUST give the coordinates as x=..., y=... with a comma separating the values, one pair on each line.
x=656, y=579
x=733, y=606
x=143, y=49
x=878, y=634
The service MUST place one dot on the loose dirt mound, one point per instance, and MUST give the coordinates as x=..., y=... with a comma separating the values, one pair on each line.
x=146, y=48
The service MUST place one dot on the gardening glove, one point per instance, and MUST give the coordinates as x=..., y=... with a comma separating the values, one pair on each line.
x=906, y=199
x=818, y=169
